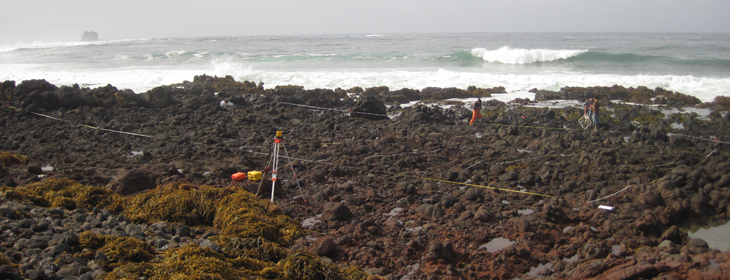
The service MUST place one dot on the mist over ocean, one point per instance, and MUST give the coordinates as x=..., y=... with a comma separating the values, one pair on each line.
x=695, y=64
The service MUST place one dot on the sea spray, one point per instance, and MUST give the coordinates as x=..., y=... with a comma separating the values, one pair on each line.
x=510, y=55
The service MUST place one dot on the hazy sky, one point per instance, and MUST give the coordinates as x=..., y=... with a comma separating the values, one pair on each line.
x=66, y=20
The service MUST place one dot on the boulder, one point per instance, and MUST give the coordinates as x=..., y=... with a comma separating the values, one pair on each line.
x=132, y=181
x=431, y=211
x=335, y=211
x=369, y=107
x=438, y=250
x=324, y=246
x=159, y=97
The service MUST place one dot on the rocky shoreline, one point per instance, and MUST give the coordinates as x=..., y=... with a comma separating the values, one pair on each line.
x=417, y=195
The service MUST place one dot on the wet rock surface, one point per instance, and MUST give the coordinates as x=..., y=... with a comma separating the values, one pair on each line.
x=414, y=196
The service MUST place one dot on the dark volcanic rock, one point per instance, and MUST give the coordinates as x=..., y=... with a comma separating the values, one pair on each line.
x=416, y=197
x=336, y=212
x=370, y=108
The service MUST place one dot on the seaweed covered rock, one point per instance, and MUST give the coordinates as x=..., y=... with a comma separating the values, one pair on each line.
x=178, y=203
x=118, y=250
x=7, y=159
x=244, y=215
x=233, y=211
x=67, y=194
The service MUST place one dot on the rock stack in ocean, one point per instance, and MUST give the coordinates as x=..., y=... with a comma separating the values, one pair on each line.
x=90, y=36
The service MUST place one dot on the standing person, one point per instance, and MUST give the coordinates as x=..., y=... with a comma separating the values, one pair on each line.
x=595, y=105
x=587, y=108
x=475, y=115
x=226, y=103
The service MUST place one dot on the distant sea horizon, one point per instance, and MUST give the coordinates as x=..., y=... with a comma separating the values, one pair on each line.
x=696, y=64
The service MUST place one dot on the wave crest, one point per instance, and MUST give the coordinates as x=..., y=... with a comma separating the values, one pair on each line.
x=509, y=55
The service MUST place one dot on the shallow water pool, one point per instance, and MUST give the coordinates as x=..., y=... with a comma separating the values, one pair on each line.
x=497, y=244
x=717, y=235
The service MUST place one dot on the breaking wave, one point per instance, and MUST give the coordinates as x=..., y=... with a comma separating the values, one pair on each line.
x=508, y=55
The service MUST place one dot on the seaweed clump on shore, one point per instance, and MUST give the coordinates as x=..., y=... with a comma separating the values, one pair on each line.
x=232, y=211
x=178, y=202
x=118, y=250
x=67, y=194
x=8, y=159
x=253, y=239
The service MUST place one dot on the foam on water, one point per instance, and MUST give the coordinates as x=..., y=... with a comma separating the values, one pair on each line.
x=517, y=62
x=142, y=79
x=510, y=55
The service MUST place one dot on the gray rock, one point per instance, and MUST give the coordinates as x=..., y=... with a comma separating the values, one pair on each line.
x=39, y=242
x=69, y=238
x=99, y=274
x=210, y=245
x=35, y=274
x=26, y=223
x=160, y=243
x=57, y=212
x=87, y=276
x=100, y=256
x=59, y=249
x=667, y=244
x=40, y=226
x=697, y=242
x=48, y=266
x=135, y=231
x=183, y=231
x=9, y=272
x=93, y=221
x=7, y=210
x=697, y=245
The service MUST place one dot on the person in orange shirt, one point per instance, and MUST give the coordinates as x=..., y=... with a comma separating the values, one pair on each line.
x=476, y=113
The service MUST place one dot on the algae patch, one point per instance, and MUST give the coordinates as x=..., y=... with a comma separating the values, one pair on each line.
x=67, y=194
x=8, y=159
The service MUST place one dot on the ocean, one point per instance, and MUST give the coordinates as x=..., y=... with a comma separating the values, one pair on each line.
x=694, y=64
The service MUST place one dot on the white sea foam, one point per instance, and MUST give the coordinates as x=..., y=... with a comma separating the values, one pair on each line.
x=139, y=80
x=47, y=45
x=143, y=79
x=706, y=89
x=509, y=55
x=395, y=61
